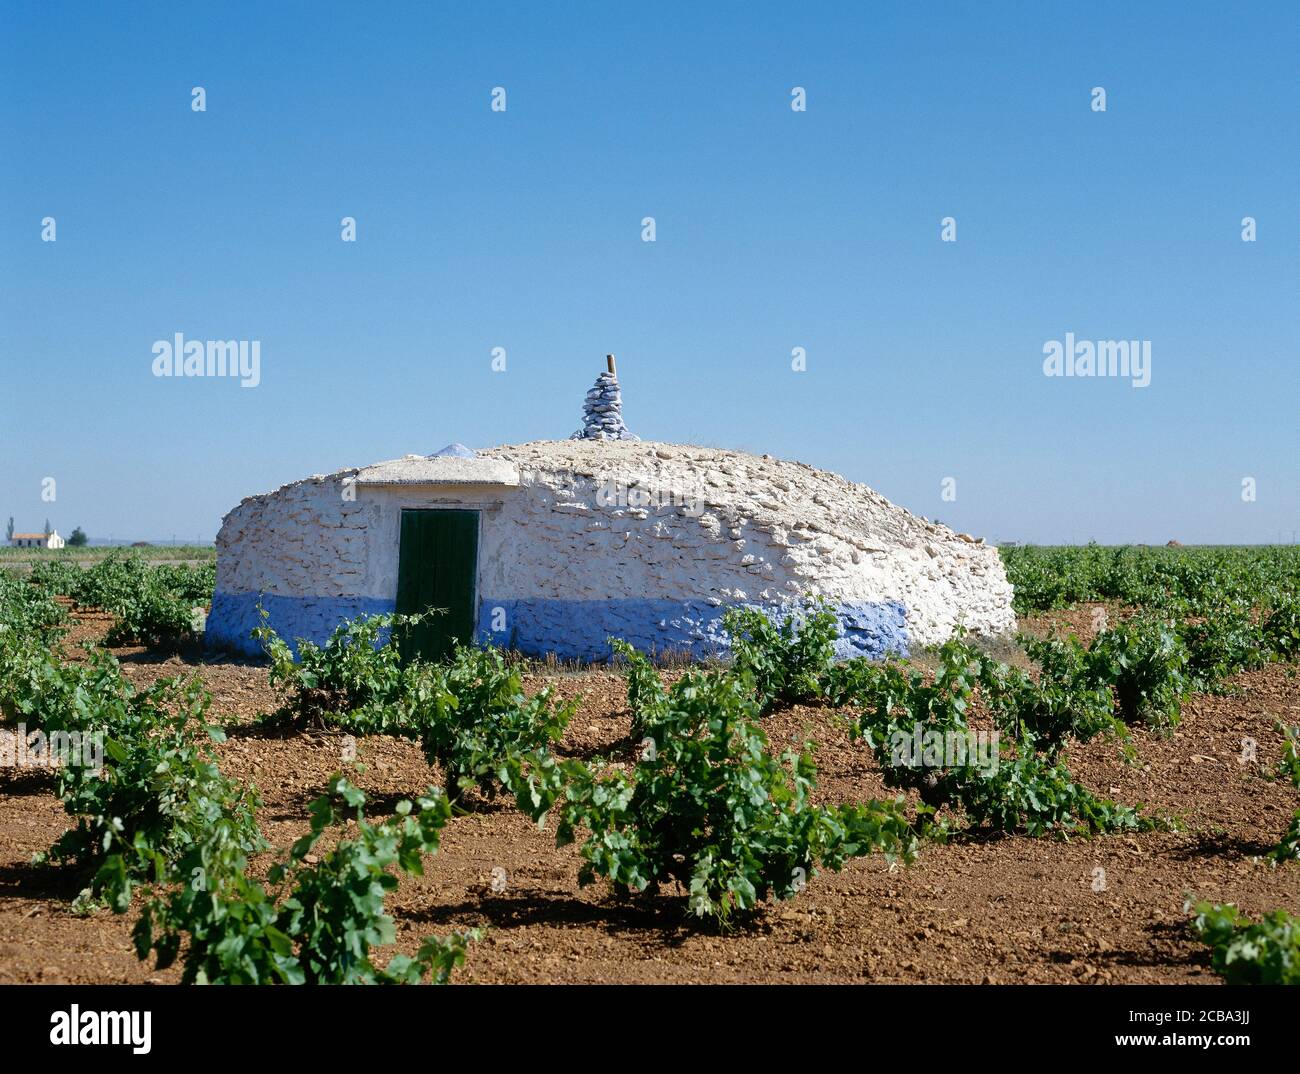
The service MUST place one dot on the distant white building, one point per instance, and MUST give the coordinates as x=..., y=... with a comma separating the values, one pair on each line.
x=36, y=540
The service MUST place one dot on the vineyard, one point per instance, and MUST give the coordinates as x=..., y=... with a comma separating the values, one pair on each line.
x=1114, y=796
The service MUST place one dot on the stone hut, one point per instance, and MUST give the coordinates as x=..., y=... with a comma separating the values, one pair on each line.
x=557, y=545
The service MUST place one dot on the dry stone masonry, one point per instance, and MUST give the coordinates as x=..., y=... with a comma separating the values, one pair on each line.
x=602, y=412
x=584, y=539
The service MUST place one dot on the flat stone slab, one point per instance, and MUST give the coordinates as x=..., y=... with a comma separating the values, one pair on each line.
x=440, y=470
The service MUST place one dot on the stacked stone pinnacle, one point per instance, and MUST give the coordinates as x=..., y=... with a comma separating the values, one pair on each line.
x=602, y=413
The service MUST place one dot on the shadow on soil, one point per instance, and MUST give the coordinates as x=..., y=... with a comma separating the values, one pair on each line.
x=1215, y=844
x=664, y=917
x=1169, y=947
x=28, y=782
x=190, y=655
x=381, y=806
x=25, y=881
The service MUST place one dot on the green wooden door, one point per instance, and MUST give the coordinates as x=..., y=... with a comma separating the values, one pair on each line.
x=436, y=568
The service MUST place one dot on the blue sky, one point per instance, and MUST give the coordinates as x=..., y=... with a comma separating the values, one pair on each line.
x=775, y=229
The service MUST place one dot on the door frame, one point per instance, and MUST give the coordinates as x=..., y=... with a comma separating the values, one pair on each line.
x=479, y=509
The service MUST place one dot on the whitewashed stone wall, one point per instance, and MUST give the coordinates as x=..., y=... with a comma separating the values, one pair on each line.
x=647, y=541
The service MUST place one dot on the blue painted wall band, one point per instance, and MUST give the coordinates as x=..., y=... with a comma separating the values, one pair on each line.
x=571, y=629
x=580, y=629
x=234, y=615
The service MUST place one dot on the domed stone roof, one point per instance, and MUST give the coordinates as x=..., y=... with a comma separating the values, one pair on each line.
x=787, y=529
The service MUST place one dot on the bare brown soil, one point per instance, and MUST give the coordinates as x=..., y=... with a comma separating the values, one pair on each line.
x=1002, y=909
